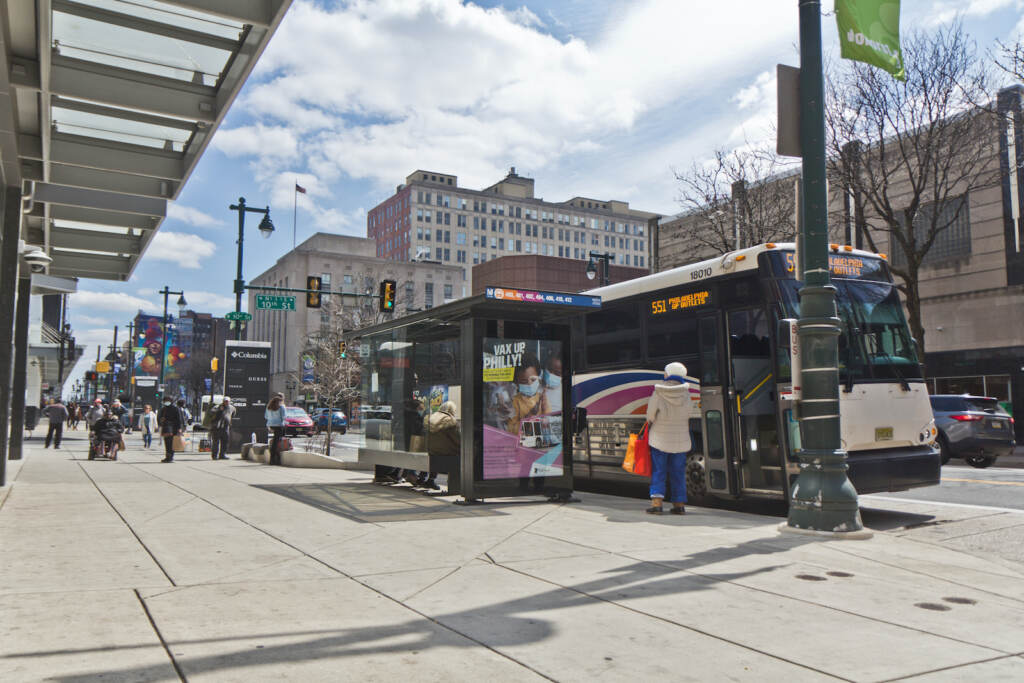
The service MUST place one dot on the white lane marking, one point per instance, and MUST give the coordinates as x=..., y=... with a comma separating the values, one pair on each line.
x=872, y=496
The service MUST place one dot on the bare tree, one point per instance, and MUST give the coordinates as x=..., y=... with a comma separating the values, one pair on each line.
x=336, y=377
x=1011, y=59
x=913, y=151
x=739, y=196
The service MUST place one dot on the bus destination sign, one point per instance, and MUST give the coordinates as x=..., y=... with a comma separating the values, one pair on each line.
x=843, y=266
x=681, y=302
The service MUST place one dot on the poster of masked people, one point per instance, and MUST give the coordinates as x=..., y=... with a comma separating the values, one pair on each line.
x=522, y=408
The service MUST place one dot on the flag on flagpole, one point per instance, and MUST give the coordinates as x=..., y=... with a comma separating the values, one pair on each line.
x=300, y=188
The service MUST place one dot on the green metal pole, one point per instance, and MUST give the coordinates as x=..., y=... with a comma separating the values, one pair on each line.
x=163, y=344
x=822, y=498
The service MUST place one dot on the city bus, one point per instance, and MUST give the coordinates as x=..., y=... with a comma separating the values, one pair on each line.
x=728, y=320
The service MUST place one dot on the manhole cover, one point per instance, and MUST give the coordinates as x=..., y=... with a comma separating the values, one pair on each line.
x=961, y=601
x=841, y=575
x=934, y=606
x=810, y=577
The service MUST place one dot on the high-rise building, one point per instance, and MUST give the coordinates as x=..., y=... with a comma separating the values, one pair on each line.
x=431, y=218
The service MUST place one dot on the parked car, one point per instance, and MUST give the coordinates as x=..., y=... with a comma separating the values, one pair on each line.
x=339, y=423
x=296, y=421
x=975, y=428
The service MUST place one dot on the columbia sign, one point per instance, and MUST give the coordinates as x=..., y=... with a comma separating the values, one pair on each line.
x=247, y=354
x=869, y=32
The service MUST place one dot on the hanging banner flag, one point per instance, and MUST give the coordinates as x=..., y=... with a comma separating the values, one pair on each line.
x=869, y=32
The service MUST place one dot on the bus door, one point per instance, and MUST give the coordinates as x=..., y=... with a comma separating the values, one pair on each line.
x=751, y=395
x=713, y=407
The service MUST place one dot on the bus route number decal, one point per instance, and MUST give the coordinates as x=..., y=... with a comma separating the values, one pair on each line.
x=683, y=301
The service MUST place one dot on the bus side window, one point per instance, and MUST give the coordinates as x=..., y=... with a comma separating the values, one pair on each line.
x=613, y=335
x=716, y=448
x=709, y=352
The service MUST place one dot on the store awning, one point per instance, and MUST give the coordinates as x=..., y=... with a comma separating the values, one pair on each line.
x=106, y=107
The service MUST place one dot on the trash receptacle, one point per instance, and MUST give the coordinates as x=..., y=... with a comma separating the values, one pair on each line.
x=31, y=417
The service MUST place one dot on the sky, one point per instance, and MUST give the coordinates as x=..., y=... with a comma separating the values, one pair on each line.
x=600, y=98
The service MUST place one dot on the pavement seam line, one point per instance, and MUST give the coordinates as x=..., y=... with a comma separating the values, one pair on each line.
x=598, y=598
x=127, y=524
x=160, y=636
x=951, y=668
x=377, y=591
x=986, y=531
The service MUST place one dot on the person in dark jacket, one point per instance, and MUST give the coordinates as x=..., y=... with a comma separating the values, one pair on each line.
x=443, y=439
x=220, y=429
x=57, y=414
x=108, y=430
x=171, y=424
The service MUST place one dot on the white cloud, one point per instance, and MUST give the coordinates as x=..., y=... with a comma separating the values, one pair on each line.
x=182, y=248
x=945, y=11
x=95, y=336
x=194, y=217
x=108, y=301
x=210, y=302
x=351, y=92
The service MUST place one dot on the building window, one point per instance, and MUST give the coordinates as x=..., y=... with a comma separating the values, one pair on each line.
x=460, y=238
x=428, y=295
x=953, y=232
x=447, y=254
x=447, y=292
x=447, y=219
x=447, y=236
x=437, y=253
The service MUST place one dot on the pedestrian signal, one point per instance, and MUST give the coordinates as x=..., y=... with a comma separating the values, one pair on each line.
x=387, y=295
x=313, y=297
x=341, y=349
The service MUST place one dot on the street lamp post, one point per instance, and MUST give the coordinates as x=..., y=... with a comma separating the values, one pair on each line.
x=822, y=499
x=266, y=227
x=596, y=256
x=163, y=342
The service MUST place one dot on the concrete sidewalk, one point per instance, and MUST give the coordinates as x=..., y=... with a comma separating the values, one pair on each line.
x=232, y=571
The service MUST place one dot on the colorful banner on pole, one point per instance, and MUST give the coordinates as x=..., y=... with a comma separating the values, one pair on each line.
x=869, y=32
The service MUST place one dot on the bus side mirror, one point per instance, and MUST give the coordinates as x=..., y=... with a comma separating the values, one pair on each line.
x=579, y=420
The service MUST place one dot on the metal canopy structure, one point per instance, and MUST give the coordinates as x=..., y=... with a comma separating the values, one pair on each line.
x=106, y=106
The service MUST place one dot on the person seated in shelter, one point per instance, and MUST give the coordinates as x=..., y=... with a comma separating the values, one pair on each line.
x=443, y=438
x=529, y=399
x=108, y=430
x=551, y=377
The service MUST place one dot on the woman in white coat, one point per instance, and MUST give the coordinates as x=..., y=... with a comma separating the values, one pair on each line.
x=668, y=411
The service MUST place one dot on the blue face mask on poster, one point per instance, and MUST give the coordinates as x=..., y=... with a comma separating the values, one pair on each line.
x=553, y=381
x=529, y=389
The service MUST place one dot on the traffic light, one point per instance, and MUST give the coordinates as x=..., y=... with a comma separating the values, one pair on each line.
x=91, y=375
x=213, y=364
x=341, y=349
x=387, y=295
x=313, y=298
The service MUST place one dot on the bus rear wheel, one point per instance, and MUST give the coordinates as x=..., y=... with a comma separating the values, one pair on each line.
x=695, y=476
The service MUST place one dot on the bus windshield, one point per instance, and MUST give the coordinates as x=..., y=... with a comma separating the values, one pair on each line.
x=875, y=343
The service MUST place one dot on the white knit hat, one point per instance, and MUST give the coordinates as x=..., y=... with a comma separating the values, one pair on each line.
x=676, y=371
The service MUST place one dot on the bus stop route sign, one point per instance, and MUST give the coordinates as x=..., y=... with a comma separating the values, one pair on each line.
x=275, y=302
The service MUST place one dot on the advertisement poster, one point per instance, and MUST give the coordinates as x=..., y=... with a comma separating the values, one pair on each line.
x=522, y=408
x=247, y=382
x=146, y=362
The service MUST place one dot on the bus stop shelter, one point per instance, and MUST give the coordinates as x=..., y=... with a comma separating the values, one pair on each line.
x=499, y=357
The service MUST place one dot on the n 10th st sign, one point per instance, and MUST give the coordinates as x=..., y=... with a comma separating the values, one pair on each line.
x=273, y=302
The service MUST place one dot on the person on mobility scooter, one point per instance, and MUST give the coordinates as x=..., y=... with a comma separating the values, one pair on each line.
x=106, y=436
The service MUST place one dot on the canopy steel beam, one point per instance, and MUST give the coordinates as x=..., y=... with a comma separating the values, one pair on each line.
x=76, y=238
x=97, y=179
x=106, y=155
x=124, y=114
x=118, y=87
x=49, y=193
x=104, y=266
x=146, y=25
x=99, y=217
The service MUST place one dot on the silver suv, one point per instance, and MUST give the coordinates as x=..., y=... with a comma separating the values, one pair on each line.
x=975, y=428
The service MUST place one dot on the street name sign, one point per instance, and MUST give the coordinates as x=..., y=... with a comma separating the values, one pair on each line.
x=275, y=302
x=238, y=315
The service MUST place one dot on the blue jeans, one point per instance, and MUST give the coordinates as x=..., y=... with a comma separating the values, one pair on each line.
x=147, y=438
x=671, y=466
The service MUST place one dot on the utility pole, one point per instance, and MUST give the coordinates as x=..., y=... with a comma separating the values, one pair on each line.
x=822, y=498
x=113, y=366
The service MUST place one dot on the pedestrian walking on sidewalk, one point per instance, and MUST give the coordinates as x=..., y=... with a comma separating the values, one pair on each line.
x=220, y=429
x=71, y=406
x=148, y=425
x=668, y=412
x=275, y=423
x=57, y=414
x=170, y=420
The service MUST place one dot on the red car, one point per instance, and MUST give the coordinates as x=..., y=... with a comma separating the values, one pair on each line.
x=297, y=421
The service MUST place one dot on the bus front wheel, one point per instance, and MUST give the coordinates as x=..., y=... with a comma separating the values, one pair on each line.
x=695, y=476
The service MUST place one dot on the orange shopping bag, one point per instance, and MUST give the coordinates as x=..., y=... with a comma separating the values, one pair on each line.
x=638, y=453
